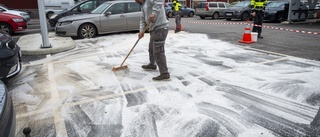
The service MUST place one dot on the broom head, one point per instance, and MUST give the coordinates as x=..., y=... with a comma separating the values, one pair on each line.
x=119, y=67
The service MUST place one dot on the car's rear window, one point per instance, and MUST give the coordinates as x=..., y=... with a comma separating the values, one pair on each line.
x=213, y=5
x=201, y=5
x=242, y=4
x=221, y=5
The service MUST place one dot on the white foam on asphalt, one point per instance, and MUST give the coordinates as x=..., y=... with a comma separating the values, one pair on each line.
x=214, y=84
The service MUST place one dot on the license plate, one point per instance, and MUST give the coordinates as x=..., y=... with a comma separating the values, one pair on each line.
x=229, y=14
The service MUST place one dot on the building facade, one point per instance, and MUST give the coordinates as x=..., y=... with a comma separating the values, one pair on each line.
x=17, y=4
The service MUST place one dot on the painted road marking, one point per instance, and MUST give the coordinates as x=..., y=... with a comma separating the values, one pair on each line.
x=60, y=126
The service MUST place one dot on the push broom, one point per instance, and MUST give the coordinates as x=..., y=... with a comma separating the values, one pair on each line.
x=116, y=68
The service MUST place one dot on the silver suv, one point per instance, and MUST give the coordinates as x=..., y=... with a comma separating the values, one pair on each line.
x=211, y=9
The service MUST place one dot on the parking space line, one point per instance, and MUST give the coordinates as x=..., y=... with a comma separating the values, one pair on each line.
x=272, y=61
x=264, y=51
x=32, y=113
x=57, y=116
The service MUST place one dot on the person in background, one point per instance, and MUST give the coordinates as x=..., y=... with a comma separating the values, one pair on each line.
x=257, y=21
x=258, y=11
x=153, y=11
x=177, y=10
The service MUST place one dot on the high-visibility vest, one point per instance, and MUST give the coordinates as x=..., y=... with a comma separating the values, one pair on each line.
x=258, y=4
x=176, y=5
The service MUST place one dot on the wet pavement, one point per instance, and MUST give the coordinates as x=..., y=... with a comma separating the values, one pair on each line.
x=216, y=89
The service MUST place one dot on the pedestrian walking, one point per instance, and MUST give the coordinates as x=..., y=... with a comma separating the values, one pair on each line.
x=177, y=11
x=153, y=11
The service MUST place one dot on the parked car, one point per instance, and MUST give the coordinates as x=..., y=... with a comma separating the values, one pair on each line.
x=241, y=10
x=109, y=17
x=276, y=11
x=233, y=3
x=25, y=15
x=12, y=23
x=211, y=9
x=7, y=113
x=186, y=11
x=10, y=56
x=81, y=7
x=55, y=6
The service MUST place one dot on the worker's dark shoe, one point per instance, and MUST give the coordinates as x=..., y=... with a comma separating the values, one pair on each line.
x=177, y=30
x=165, y=76
x=260, y=37
x=149, y=67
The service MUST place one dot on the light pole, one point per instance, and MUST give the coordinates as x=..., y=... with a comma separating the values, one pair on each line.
x=43, y=25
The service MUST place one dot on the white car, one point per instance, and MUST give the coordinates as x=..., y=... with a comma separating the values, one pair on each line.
x=25, y=15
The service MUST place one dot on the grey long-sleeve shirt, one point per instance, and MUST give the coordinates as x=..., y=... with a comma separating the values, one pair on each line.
x=153, y=7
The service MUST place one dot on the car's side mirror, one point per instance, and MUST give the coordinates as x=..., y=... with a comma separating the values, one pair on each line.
x=107, y=13
x=79, y=9
x=1, y=10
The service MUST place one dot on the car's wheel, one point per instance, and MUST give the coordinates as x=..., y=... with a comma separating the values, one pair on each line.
x=191, y=14
x=303, y=16
x=245, y=16
x=215, y=15
x=202, y=17
x=228, y=19
x=6, y=28
x=280, y=17
x=49, y=14
x=87, y=31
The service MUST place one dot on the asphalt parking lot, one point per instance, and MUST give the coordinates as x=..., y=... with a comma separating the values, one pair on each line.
x=217, y=88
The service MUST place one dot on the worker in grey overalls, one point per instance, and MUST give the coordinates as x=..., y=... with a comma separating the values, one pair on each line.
x=153, y=11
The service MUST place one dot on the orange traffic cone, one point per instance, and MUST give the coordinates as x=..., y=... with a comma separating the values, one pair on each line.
x=180, y=27
x=247, y=36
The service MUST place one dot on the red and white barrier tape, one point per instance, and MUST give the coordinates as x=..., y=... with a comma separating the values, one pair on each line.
x=242, y=23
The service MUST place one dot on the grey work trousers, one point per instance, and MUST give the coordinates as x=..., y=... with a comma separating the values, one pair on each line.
x=156, y=49
x=178, y=19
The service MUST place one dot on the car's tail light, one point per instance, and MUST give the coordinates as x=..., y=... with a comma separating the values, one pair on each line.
x=207, y=6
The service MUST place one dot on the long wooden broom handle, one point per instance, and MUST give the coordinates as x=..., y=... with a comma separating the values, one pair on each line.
x=135, y=44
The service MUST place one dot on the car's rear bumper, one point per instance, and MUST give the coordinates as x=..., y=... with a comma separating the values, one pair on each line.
x=204, y=13
x=232, y=15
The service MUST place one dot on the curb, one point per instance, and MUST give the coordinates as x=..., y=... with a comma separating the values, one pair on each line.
x=31, y=44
